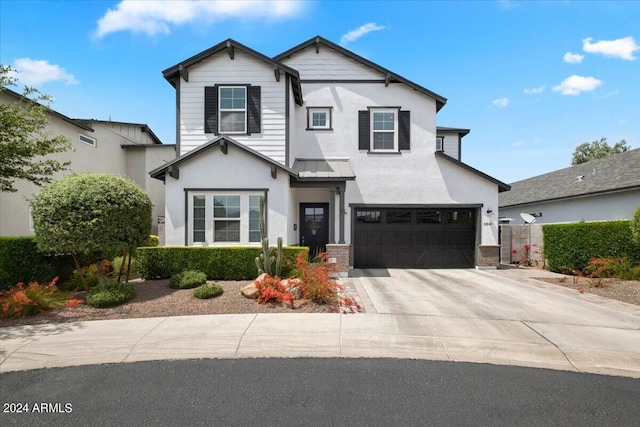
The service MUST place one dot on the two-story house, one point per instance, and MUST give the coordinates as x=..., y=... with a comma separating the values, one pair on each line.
x=346, y=153
x=119, y=148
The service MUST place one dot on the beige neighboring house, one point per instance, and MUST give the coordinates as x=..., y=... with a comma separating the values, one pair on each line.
x=125, y=149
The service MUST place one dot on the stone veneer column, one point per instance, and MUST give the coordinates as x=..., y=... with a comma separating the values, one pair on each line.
x=488, y=255
x=343, y=254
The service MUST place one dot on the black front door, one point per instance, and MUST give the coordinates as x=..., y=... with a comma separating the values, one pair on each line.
x=314, y=227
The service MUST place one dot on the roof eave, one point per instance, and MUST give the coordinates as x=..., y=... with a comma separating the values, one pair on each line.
x=501, y=185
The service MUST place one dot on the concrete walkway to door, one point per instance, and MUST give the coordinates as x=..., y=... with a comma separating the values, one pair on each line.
x=506, y=316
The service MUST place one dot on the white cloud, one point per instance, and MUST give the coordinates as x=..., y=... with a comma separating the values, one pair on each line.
x=534, y=90
x=572, y=58
x=575, y=85
x=619, y=48
x=500, y=102
x=354, y=35
x=34, y=72
x=518, y=144
x=156, y=17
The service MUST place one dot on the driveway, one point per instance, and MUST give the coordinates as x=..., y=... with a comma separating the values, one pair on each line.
x=490, y=315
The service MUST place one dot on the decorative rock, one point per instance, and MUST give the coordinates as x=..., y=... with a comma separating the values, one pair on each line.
x=250, y=291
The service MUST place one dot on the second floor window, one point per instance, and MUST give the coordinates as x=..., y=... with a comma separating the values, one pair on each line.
x=233, y=109
x=319, y=118
x=384, y=135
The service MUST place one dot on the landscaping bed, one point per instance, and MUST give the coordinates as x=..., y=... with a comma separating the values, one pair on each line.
x=154, y=298
x=622, y=290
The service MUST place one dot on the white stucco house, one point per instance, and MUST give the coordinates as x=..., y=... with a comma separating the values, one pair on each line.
x=599, y=190
x=347, y=154
x=119, y=148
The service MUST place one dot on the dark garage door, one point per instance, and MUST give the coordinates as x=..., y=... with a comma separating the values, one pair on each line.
x=414, y=238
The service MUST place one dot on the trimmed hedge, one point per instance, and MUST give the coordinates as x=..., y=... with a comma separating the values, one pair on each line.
x=218, y=262
x=20, y=261
x=572, y=246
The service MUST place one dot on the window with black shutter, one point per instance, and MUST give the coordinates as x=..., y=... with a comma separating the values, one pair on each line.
x=232, y=109
x=384, y=130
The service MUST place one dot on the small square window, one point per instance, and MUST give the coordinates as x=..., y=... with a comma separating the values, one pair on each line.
x=440, y=143
x=319, y=118
x=87, y=140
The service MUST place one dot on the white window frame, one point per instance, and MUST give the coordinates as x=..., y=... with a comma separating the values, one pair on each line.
x=227, y=219
x=395, y=113
x=244, y=218
x=93, y=140
x=440, y=143
x=232, y=110
x=327, y=112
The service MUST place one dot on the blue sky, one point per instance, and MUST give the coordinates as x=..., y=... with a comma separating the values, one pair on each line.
x=532, y=80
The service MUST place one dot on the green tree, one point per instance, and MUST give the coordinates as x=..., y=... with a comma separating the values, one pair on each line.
x=23, y=139
x=91, y=214
x=597, y=150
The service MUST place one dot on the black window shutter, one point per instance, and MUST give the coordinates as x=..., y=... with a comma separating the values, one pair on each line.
x=211, y=109
x=404, y=130
x=364, y=130
x=253, y=109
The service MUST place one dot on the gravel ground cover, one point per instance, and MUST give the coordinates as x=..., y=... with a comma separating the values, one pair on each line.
x=154, y=298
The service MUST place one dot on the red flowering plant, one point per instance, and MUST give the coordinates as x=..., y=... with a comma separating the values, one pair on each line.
x=271, y=289
x=34, y=298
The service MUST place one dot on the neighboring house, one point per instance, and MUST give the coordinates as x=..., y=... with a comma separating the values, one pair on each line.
x=125, y=149
x=599, y=190
x=346, y=153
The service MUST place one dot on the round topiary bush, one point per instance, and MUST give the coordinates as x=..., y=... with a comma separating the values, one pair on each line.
x=187, y=280
x=110, y=294
x=208, y=290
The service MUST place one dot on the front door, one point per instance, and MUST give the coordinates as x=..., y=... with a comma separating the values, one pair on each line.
x=314, y=227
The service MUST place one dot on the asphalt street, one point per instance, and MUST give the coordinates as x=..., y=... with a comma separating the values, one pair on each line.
x=310, y=391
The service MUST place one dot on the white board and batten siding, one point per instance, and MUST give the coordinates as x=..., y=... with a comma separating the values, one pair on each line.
x=244, y=69
x=329, y=65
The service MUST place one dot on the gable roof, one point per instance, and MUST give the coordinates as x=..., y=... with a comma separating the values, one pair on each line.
x=159, y=173
x=229, y=45
x=51, y=111
x=618, y=172
x=143, y=127
x=501, y=185
x=391, y=76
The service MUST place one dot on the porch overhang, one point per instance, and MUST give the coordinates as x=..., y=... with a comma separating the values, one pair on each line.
x=311, y=172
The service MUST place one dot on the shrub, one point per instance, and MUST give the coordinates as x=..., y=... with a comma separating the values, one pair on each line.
x=110, y=294
x=635, y=225
x=271, y=289
x=188, y=279
x=90, y=274
x=572, y=246
x=20, y=261
x=619, y=268
x=218, y=263
x=117, y=262
x=152, y=241
x=317, y=285
x=32, y=299
x=208, y=290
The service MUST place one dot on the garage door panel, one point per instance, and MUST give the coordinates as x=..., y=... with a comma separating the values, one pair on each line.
x=441, y=239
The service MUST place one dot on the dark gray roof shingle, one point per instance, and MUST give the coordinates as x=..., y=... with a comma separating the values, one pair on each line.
x=613, y=173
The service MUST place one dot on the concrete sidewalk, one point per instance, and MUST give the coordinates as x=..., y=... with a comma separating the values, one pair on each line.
x=609, y=345
x=322, y=335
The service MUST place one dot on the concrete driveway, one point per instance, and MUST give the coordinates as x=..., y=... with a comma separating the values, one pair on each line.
x=508, y=314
